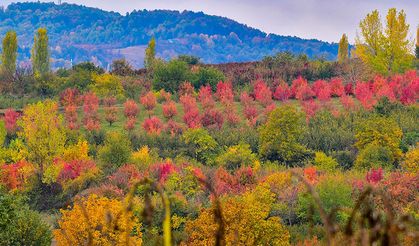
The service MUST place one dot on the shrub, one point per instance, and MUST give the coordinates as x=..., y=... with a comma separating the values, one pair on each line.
x=334, y=192
x=207, y=76
x=237, y=156
x=374, y=156
x=324, y=162
x=10, y=120
x=411, y=160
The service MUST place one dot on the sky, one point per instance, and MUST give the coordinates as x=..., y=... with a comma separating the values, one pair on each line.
x=320, y=19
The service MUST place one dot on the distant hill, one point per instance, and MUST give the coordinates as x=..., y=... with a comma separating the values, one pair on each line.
x=78, y=33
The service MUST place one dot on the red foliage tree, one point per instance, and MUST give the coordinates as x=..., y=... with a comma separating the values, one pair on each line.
x=90, y=108
x=70, y=96
x=73, y=169
x=111, y=110
x=251, y=113
x=317, y=86
x=236, y=183
x=149, y=102
x=15, y=176
x=348, y=102
x=365, y=95
x=173, y=127
x=401, y=188
x=382, y=89
x=374, y=176
x=336, y=86
x=130, y=124
x=10, y=119
x=349, y=90
x=169, y=110
x=192, y=118
x=230, y=114
x=186, y=89
x=125, y=177
x=212, y=118
x=224, y=92
x=130, y=109
x=262, y=93
x=245, y=99
x=282, y=92
x=163, y=170
x=152, y=125
x=310, y=107
x=205, y=97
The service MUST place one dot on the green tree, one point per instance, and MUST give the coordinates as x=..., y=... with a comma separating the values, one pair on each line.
x=207, y=76
x=237, y=156
x=380, y=131
x=8, y=57
x=150, y=54
x=279, y=137
x=334, y=192
x=324, y=162
x=21, y=226
x=40, y=53
x=417, y=43
x=343, y=50
x=374, y=156
x=169, y=76
x=386, y=50
x=116, y=152
x=107, y=85
x=201, y=145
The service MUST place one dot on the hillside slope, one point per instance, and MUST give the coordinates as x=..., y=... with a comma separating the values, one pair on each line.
x=81, y=33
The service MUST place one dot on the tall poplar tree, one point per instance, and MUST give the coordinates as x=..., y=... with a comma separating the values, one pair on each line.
x=9, y=55
x=386, y=50
x=150, y=53
x=343, y=48
x=417, y=43
x=40, y=53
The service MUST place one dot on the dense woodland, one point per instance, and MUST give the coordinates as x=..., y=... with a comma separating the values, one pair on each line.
x=286, y=150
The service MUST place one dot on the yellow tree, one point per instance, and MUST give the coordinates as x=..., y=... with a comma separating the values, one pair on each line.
x=386, y=50
x=343, y=50
x=247, y=221
x=98, y=221
x=44, y=134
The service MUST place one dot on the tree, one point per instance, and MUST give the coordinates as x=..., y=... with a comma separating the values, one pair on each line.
x=343, y=50
x=202, y=146
x=40, y=53
x=111, y=110
x=237, y=156
x=169, y=76
x=379, y=131
x=107, y=85
x=115, y=152
x=386, y=50
x=21, y=226
x=150, y=54
x=121, y=67
x=247, y=221
x=417, y=43
x=44, y=134
x=153, y=125
x=279, y=136
x=105, y=221
x=324, y=162
x=207, y=76
x=9, y=55
x=149, y=101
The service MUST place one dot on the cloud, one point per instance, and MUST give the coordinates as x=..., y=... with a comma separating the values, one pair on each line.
x=320, y=19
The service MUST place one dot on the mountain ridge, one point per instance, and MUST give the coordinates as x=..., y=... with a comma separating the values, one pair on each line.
x=78, y=33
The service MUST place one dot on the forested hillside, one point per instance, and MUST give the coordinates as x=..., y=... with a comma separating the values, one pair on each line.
x=80, y=33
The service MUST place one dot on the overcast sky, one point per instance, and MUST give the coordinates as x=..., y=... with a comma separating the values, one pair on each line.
x=321, y=19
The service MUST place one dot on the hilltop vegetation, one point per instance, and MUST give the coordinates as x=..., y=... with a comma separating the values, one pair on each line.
x=80, y=34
